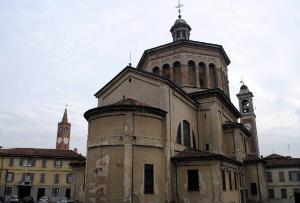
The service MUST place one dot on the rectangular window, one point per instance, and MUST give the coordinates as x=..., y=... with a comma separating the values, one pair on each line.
x=56, y=178
x=283, y=193
x=7, y=191
x=296, y=190
x=235, y=181
x=269, y=177
x=42, y=178
x=224, y=180
x=230, y=180
x=271, y=193
x=57, y=164
x=193, y=180
x=253, y=189
x=27, y=177
x=69, y=178
x=55, y=192
x=10, y=176
x=44, y=163
x=11, y=162
x=28, y=162
x=148, y=179
x=281, y=176
x=294, y=176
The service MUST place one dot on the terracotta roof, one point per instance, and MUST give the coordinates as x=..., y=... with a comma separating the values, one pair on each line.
x=278, y=161
x=43, y=153
x=131, y=102
x=197, y=155
x=125, y=105
x=274, y=156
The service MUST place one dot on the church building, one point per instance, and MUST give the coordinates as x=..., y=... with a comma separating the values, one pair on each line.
x=167, y=131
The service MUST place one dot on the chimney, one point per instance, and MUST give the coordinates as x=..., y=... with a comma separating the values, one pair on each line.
x=75, y=150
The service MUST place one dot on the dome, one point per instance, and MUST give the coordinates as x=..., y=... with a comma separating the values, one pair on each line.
x=180, y=30
x=179, y=21
x=243, y=87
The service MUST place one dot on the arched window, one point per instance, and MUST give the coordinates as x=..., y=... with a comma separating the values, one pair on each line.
x=186, y=134
x=245, y=106
x=223, y=80
x=177, y=72
x=194, y=141
x=213, y=75
x=202, y=75
x=192, y=72
x=166, y=71
x=155, y=70
x=178, y=137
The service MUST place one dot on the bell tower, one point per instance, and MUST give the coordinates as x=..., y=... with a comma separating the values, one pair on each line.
x=63, y=133
x=248, y=118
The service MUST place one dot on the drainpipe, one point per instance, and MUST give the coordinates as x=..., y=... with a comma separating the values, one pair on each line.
x=258, y=182
x=176, y=183
x=133, y=136
x=6, y=172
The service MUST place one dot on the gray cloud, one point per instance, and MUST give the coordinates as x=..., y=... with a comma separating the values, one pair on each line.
x=55, y=52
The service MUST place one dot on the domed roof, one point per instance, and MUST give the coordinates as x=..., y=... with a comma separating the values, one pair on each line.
x=243, y=87
x=180, y=21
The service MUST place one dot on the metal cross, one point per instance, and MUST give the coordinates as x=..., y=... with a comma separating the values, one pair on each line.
x=179, y=6
x=242, y=81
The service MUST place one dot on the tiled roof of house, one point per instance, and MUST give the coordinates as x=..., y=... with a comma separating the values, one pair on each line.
x=197, y=155
x=276, y=161
x=41, y=153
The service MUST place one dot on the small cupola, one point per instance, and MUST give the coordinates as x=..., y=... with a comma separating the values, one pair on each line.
x=180, y=30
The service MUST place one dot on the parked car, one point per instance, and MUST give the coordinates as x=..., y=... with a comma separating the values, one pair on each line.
x=14, y=199
x=28, y=200
x=44, y=199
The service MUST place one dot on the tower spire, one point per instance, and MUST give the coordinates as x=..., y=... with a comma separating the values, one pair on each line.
x=65, y=116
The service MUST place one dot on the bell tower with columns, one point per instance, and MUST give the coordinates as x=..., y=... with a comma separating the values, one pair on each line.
x=248, y=118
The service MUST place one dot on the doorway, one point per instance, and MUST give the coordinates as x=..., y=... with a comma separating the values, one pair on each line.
x=24, y=191
x=40, y=193
x=68, y=193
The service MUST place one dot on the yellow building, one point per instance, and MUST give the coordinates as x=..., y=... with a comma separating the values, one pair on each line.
x=39, y=172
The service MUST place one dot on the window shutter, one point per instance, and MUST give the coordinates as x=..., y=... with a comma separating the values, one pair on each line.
x=21, y=162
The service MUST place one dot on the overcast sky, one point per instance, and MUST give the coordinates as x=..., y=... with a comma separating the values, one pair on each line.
x=55, y=52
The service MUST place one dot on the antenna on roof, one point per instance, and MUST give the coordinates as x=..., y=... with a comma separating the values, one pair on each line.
x=130, y=59
x=289, y=149
x=273, y=151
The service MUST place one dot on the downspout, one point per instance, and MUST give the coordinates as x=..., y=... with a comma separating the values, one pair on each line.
x=258, y=182
x=133, y=136
x=176, y=182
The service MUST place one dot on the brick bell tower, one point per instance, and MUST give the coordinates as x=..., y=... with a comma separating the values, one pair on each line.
x=63, y=133
x=248, y=118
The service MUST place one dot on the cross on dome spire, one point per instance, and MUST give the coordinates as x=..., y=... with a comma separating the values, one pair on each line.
x=179, y=6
